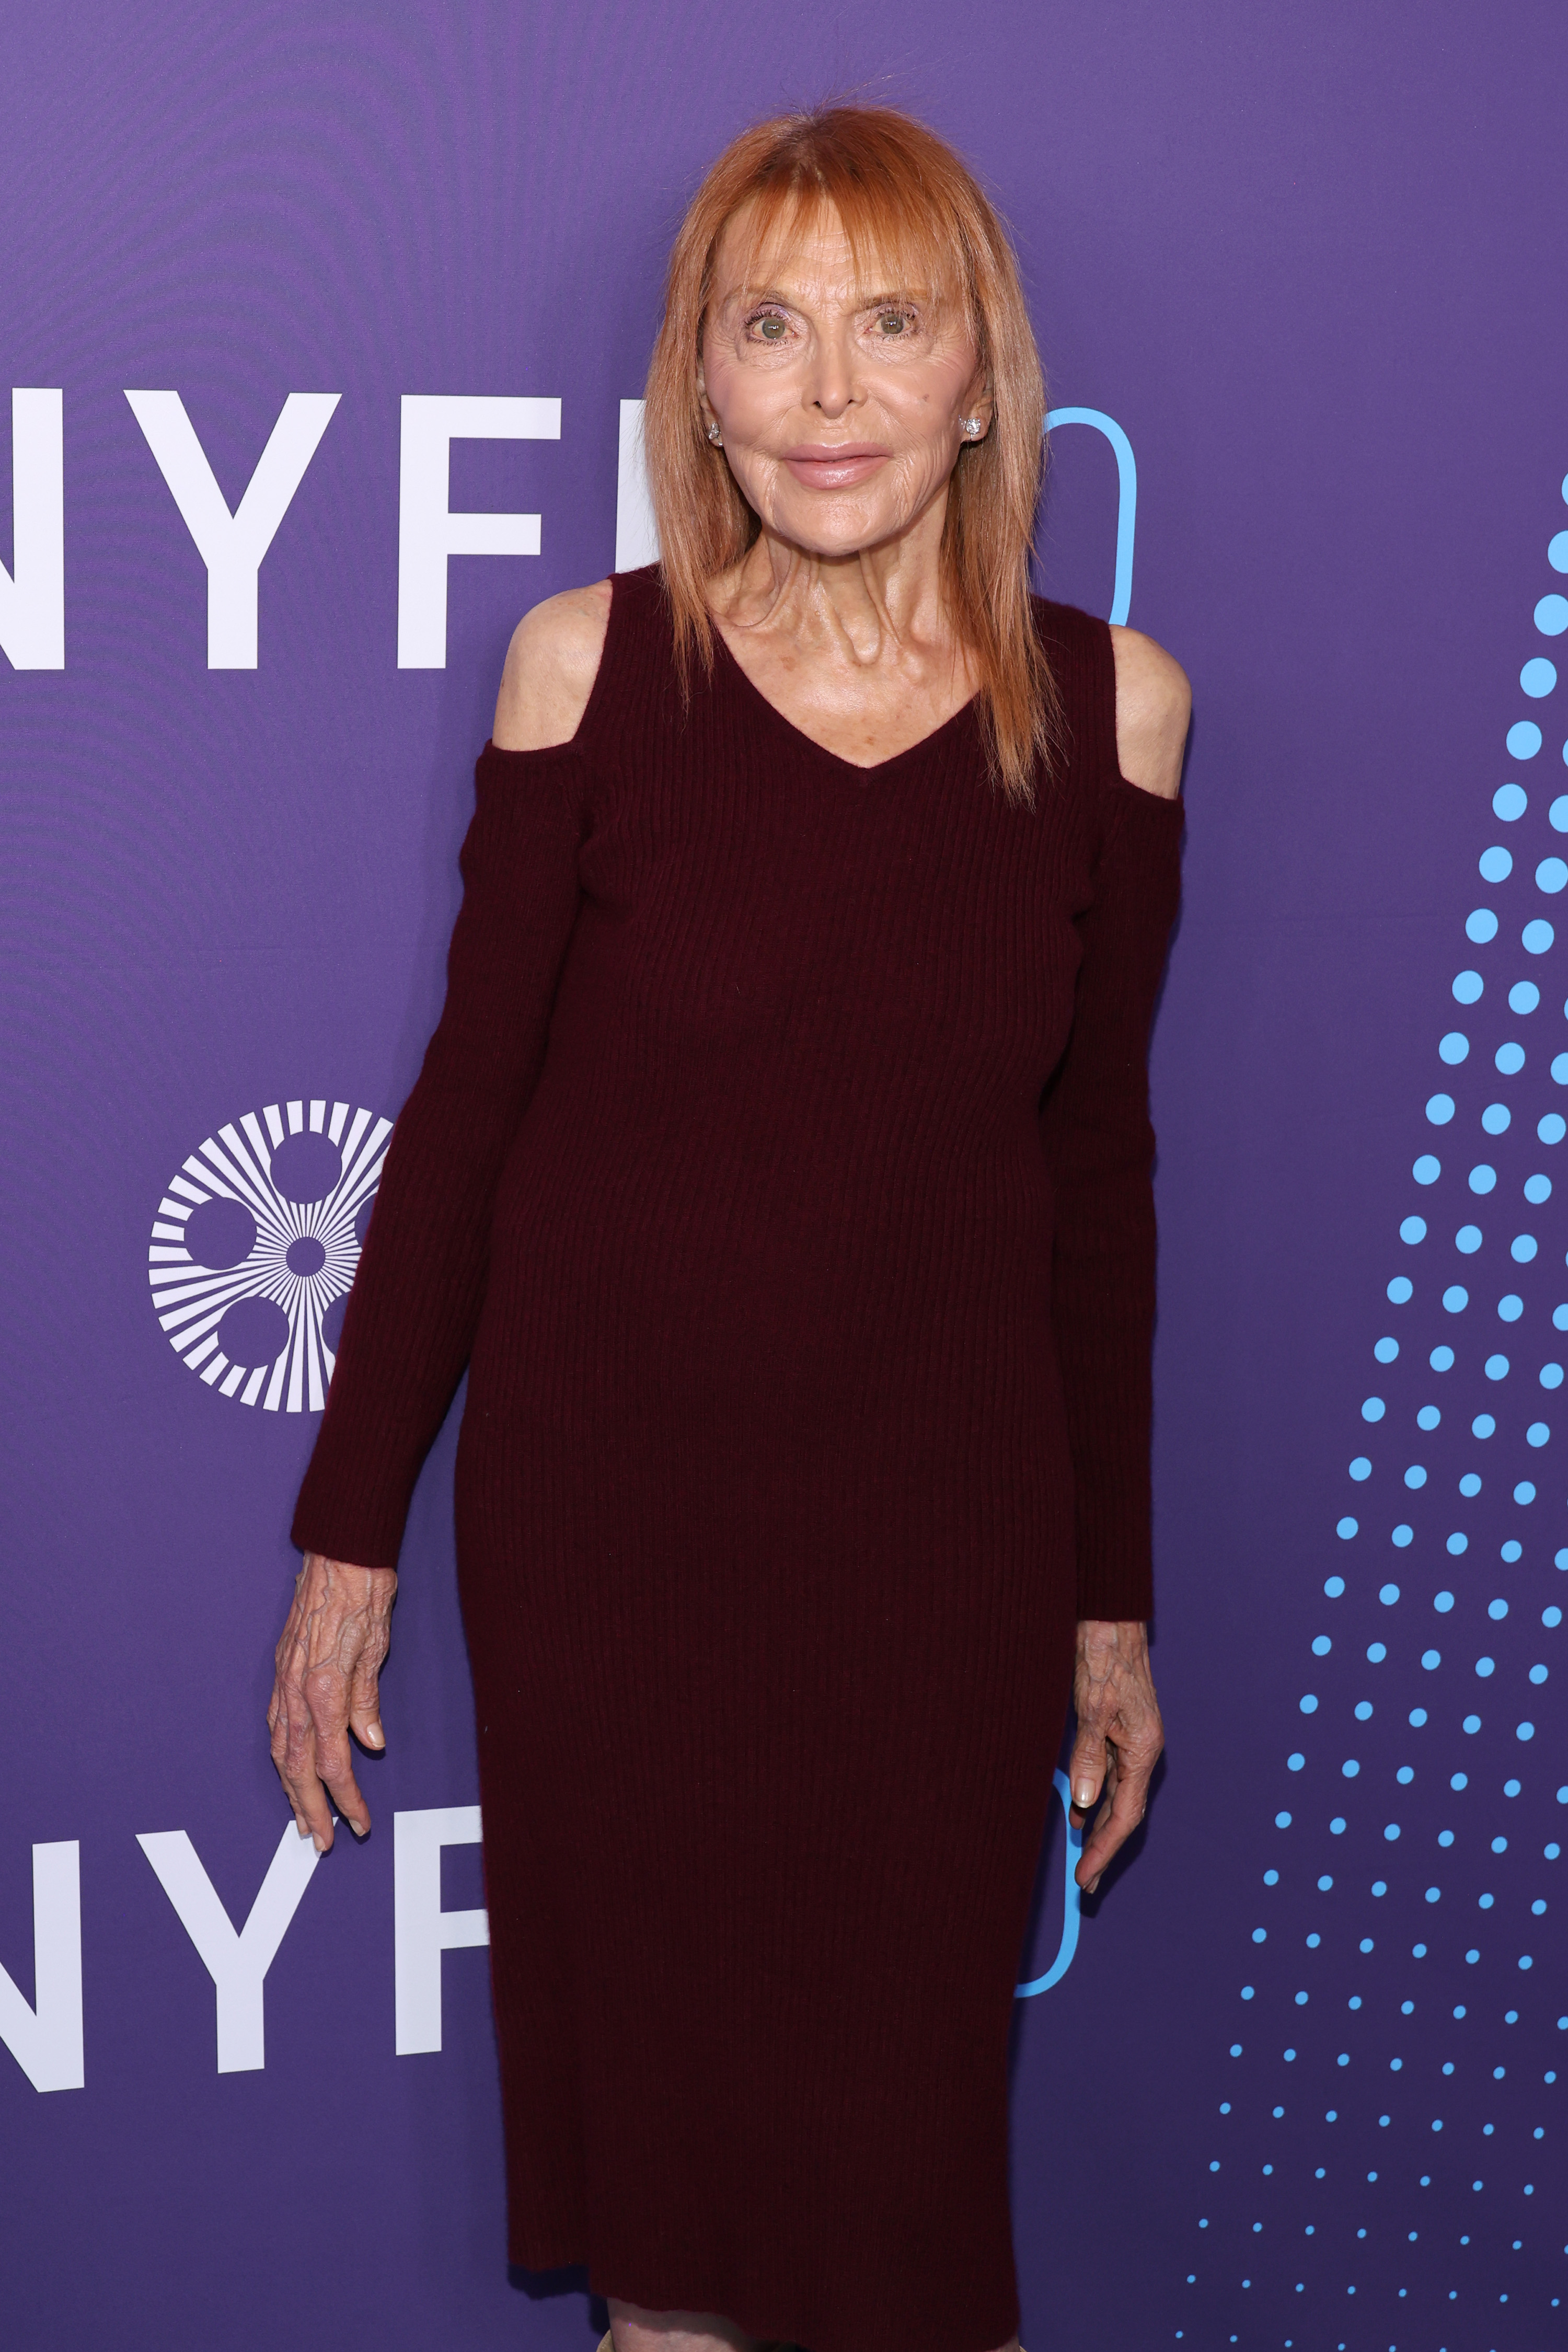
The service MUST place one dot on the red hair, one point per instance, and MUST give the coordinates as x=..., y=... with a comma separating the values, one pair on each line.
x=905, y=197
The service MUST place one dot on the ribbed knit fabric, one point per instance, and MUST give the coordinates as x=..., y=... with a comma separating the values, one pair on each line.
x=781, y=1167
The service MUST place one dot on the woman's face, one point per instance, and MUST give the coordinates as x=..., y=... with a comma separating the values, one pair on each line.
x=841, y=403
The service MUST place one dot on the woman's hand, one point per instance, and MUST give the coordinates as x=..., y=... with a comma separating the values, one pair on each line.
x=1120, y=1736
x=328, y=1661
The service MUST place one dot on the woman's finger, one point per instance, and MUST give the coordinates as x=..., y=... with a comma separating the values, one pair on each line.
x=303, y=1713
x=295, y=1754
x=327, y=1691
x=1128, y=1802
x=1087, y=1773
x=365, y=1699
x=278, y=1742
x=338, y=1772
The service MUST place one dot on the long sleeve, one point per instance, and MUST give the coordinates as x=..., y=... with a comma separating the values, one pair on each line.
x=1101, y=1145
x=416, y=1294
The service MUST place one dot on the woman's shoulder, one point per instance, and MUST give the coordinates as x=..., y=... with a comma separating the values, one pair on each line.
x=1105, y=672
x=1153, y=710
x=552, y=664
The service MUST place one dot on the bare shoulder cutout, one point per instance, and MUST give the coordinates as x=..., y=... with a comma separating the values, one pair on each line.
x=550, y=666
x=1154, y=705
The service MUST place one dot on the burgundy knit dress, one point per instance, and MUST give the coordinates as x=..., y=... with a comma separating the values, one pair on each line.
x=781, y=1170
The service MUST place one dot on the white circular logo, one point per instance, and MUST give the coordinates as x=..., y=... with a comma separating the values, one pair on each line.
x=255, y=1246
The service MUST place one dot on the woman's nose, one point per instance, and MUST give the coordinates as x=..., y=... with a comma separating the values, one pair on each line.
x=832, y=388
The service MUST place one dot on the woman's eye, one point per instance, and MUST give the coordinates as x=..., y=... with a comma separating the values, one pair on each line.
x=893, y=322
x=772, y=329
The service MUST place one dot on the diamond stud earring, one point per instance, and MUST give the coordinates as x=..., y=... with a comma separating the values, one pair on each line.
x=970, y=426
x=715, y=436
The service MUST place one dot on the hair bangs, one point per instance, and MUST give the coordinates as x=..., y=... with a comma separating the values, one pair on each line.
x=896, y=249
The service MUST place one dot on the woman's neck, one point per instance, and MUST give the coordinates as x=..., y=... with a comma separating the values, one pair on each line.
x=867, y=606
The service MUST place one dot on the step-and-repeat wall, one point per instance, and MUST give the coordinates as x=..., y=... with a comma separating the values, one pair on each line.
x=322, y=329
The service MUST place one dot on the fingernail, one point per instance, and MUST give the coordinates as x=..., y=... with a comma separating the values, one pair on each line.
x=1085, y=1793
x=321, y=1846
x=303, y=1827
x=373, y=1736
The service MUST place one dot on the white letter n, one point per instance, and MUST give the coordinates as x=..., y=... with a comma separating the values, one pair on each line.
x=232, y=545
x=237, y=1964
x=33, y=593
x=47, y=2041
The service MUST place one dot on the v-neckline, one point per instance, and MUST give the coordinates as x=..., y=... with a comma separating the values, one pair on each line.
x=836, y=758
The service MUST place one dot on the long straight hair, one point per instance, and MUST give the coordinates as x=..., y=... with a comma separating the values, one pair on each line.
x=906, y=199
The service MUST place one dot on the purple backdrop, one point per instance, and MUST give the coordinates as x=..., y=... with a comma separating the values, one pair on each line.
x=1310, y=259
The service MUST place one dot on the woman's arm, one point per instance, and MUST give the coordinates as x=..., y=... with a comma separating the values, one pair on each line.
x=415, y=1300
x=419, y=1286
x=1100, y=1144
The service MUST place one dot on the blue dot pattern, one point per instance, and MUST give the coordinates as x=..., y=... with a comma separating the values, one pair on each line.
x=1382, y=2162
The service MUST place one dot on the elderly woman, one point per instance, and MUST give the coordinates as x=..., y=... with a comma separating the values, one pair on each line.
x=780, y=1168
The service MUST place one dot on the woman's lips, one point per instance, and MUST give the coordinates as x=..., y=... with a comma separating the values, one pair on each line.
x=833, y=470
